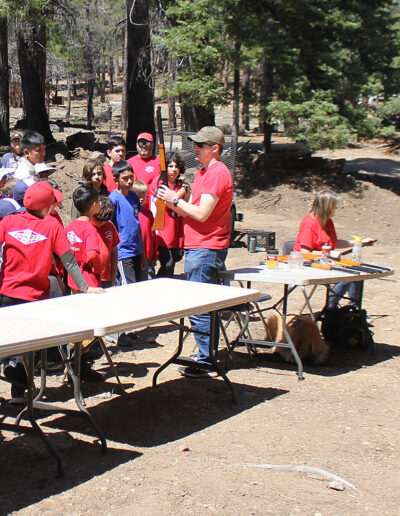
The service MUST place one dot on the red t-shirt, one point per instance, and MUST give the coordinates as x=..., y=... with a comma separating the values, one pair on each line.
x=149, y=240
x=313, y=236
x=145, y=170
x=172, y=234
x=108, y=239
x=83, y=239
x=109, y=180
x=27, y=255
x=58, y=266
x=215, y=232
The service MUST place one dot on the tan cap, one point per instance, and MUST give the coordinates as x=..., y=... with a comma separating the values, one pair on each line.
x=15, y=136
x=209, y=134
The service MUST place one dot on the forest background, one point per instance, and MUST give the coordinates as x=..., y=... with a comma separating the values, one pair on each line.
x=324, y=71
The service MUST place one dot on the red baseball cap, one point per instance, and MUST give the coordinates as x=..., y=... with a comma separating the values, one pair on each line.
x=145, y=136
x=39, y=196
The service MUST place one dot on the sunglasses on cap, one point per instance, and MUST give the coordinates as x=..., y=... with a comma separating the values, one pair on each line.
x=201, y=144
x=144, y=143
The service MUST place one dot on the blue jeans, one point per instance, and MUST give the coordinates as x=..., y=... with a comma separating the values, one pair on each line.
x=202, y=265
x=354, y=293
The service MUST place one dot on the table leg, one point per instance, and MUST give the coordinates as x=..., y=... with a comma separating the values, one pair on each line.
x=212, y=349
x=287, y=336
x=29, y=412
x=175, y=355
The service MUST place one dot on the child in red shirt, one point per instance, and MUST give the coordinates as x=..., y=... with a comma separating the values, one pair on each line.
x=29, y=241
x=108, y=241
x=83, y=237
x=146, y=219
x=170, y=239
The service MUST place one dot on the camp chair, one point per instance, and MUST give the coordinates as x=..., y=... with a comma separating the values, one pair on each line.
x=242, y=315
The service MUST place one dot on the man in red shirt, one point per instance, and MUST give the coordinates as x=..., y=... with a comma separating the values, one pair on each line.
x=206, y=230
x=145, y=165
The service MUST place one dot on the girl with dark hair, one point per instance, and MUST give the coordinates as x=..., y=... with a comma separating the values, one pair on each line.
x=170, y=239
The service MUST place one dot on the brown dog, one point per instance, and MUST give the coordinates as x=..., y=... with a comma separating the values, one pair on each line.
x=305, y=335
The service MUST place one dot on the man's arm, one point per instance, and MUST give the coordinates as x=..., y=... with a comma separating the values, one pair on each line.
x=200, y=213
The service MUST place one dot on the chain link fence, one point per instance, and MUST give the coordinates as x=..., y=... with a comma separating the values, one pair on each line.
x=179, y=141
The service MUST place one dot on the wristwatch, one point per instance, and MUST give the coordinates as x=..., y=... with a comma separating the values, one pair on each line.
x=175, y=201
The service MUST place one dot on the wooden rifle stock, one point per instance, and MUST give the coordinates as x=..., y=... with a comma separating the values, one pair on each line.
x=159, y=220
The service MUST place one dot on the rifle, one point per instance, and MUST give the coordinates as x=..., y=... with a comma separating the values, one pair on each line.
x=159, y=220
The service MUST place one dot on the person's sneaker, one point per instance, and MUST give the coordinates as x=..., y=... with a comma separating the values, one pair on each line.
x=17, y=396
x=127, y=340
x=197, y=372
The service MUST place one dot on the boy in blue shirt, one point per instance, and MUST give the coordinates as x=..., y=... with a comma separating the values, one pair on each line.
x=126, y=209
x=127, y=205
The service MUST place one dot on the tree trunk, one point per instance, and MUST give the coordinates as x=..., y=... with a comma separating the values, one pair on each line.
x=4, y=91
x=31, y=42
x=196, y=117
x=246, y=95
x=171, y=100
x=111, y=74
x=103, y=80
x=68, y=113
x=266, y=97
x=236, y=92
x=139, y=73
x=90, y=92
x=124, y=103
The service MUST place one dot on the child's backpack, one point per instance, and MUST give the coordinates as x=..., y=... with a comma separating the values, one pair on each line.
x=347, y=326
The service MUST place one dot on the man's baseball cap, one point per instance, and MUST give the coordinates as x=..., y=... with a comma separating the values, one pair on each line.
x=15, y=136
x=39, y=196
x=145, y=136
x=21, y=187
x=9, y=206
x=44, y=167
x=209, y=134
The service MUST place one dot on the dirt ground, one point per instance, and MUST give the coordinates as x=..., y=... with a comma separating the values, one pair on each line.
x=184, y=449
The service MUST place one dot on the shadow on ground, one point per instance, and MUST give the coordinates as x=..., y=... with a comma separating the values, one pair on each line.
x=384, y=173
x=144, y=418
x=27, y=473
x=340, y=360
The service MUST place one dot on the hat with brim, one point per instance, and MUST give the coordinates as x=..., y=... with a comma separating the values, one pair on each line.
x=44, y=168
x=9, y=206
x=209, y=134
x=15, y=136
x=4, y=172
x=39, y=196
x=145, y=136
x=21, y=187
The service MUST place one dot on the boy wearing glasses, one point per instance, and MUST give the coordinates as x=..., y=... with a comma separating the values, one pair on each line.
x=206, y=230
x=145, y=165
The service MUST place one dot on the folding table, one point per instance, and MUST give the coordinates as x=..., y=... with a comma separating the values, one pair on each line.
x=291, y=279
x=34, y=326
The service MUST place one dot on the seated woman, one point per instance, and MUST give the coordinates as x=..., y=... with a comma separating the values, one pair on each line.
x=316, y=230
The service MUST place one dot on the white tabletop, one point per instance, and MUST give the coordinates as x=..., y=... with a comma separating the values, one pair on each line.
x=301, y=276
x=41, y=324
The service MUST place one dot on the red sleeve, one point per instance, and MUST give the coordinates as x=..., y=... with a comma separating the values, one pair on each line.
x=93, y=259
x=115, y=238
x=2, y=232
x=61, y=244
x=109, y=180
x=305, y=235
x=91, y=240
